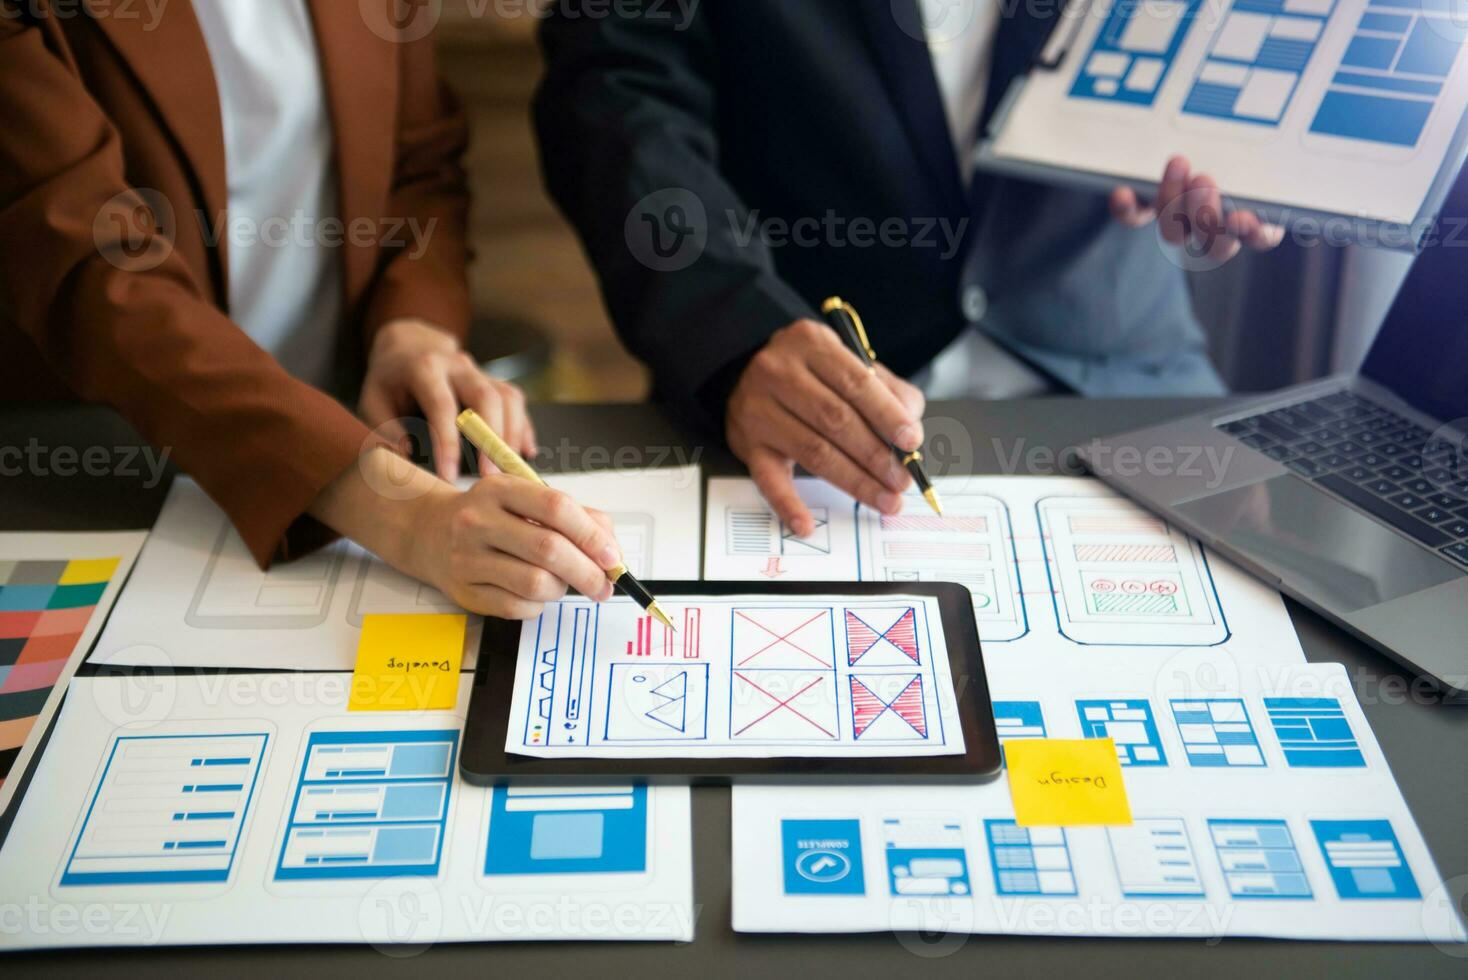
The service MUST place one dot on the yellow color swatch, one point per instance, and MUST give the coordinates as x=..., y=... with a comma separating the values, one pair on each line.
x=89, y=571
x=1066, y=783
x=408, y=663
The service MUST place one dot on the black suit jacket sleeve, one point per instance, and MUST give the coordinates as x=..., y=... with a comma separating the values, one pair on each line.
x=629, y=149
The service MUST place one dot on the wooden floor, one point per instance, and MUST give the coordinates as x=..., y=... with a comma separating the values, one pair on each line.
x=529, y=265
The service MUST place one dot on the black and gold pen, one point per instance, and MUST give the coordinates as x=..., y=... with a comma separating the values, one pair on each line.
x=847, y=323
x=484, y=439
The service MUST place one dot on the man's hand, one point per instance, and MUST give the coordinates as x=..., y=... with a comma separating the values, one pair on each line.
x=806, y=399
x=1191, y=212
x=414, y=365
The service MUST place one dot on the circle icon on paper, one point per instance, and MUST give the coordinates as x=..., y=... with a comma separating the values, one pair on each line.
x=823, y=867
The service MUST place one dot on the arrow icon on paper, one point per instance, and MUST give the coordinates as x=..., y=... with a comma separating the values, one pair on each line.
x=773, y=569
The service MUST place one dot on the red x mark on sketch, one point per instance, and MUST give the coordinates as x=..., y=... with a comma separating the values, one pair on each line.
x=784, y=704
x=781, y=639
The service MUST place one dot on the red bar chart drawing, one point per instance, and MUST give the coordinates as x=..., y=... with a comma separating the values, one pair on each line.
x=692, y=633
x=653, y=640
x=1114, y=568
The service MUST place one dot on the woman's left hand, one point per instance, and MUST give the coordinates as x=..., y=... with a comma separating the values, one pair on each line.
x=415, y=365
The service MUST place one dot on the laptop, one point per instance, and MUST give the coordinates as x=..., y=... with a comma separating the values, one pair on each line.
x=1349, y=494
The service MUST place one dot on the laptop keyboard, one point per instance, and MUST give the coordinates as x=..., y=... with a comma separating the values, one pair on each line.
x=1385, y=464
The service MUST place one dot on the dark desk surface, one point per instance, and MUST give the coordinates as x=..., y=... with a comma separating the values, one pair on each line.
x=1423, y=739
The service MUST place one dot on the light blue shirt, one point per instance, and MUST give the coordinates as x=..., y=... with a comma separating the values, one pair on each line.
x=283, y=231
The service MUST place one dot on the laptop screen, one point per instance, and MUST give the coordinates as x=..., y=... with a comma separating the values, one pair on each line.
x=1421, y=353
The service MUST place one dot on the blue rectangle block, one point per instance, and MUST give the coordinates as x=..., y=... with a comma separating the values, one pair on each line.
x=1371, y=52
x=1368, y=117
x=822, y=857
x=560, y=839
x=406, y=845
x=1431, y=49
x=1324, y=758
x=1365, y=860
x=566, y=835
x=422, y=802
x=419, y=760
x=1392, y=23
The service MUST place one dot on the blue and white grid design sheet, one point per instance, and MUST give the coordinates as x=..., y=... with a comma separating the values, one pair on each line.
x=1232, y=835
x=254, y=809
x=1348, y=107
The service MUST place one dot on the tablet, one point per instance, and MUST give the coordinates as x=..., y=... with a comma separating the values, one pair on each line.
x=759, y=682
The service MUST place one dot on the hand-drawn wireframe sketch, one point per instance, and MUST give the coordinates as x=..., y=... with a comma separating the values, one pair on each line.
x=796, y=636
x=971, y=544
x=235, y=594
x=888, y=706
x=783, y=706
x=657, y=701
x=745, y=676
x=758, y=532
x=890, y=641
x=1114, y=568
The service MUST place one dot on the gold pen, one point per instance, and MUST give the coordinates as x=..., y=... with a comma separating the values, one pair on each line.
x=847, y=323
x=484, y=439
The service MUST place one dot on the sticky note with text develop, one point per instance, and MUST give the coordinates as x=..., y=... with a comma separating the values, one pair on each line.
x=408, y=663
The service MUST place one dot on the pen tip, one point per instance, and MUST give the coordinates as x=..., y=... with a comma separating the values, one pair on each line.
x=931, y=496
x=657, y=613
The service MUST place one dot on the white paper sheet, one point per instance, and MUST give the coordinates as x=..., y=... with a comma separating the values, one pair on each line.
x=181, y=810
x=47, y=638
x=1262, y=807
x=1063, y=572
x=1342, y=106
x=754, y=676
x=199, y=600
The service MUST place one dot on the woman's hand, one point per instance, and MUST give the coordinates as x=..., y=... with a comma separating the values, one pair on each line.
x=507, y=546
x=503, y=548
x=415, y=366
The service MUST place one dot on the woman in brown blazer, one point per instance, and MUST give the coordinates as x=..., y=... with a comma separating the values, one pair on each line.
x=217, y=213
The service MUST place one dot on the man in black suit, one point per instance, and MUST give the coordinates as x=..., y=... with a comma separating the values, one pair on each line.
x=730, y=163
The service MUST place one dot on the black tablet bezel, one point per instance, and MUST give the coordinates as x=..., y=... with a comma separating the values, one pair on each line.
x=484, y=761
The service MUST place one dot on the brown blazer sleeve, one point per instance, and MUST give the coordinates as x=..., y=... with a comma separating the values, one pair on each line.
x=139, y=332
x=424, y=275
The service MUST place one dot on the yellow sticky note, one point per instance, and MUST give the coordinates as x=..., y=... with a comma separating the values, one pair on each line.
x=408, y=663
x=1066, y=783
x=89, y=571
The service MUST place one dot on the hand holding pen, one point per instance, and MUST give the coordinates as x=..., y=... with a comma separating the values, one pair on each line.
x=510, y=463
x=847, y=321
x=806, y=399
